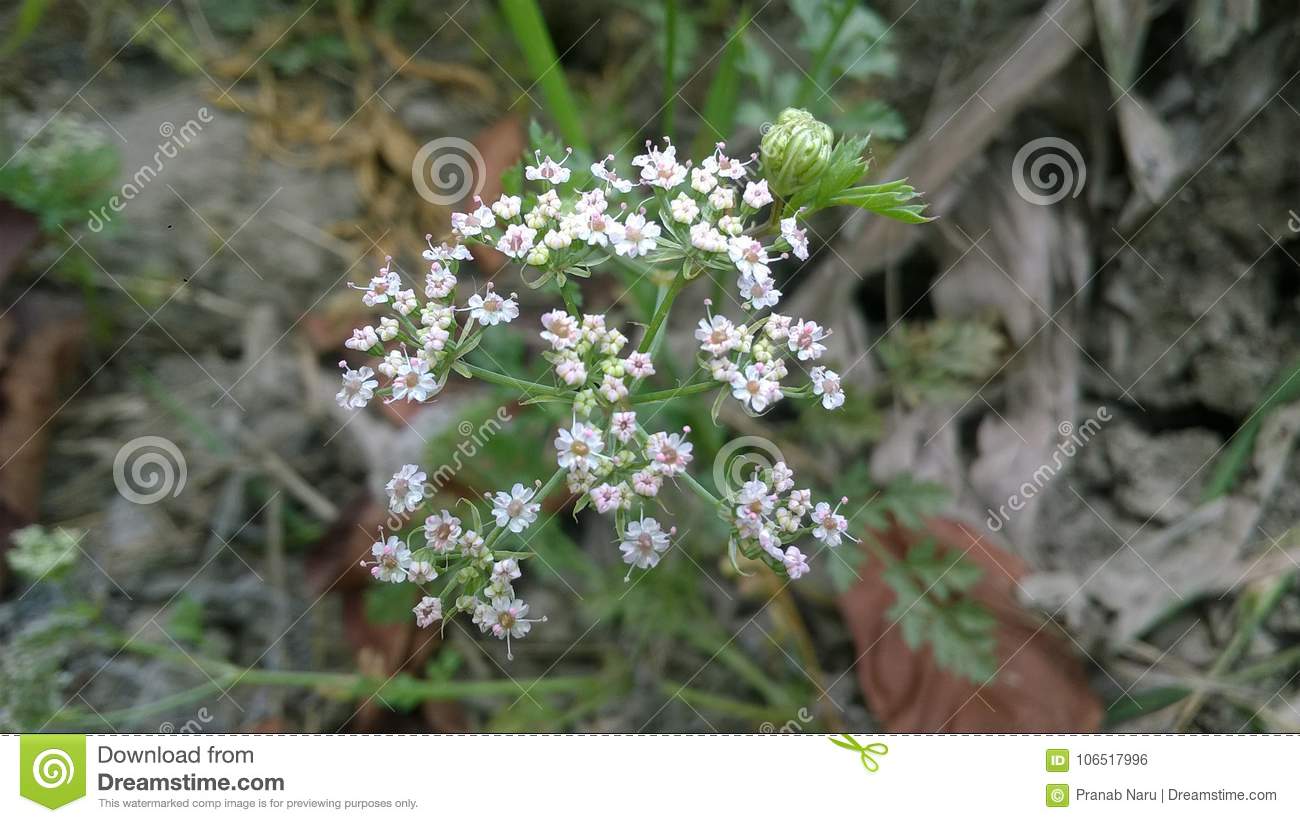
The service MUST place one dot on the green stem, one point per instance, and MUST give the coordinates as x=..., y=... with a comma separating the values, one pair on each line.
x=699, y=489
x=815, y=73
x=526, y=386
x=662, y=307
x=671, y=394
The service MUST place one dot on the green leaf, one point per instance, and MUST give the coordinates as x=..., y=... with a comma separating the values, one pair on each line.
x=932, y=610
x=893, y=200
x=940, y=360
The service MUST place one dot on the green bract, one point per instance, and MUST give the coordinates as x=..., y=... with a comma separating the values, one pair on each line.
x=795, y=151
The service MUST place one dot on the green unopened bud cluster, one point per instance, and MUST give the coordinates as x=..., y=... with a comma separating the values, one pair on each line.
x=795, y=151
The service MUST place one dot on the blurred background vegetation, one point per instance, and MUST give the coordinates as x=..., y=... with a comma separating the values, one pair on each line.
x=189, y=185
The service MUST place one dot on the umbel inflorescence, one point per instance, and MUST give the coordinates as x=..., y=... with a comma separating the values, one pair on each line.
x=728, y=217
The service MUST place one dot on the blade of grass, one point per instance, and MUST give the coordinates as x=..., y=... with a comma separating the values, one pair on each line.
x=28, y=18
x=529, y=29
x=724, y=90
x=813, y=78
x=670, y=59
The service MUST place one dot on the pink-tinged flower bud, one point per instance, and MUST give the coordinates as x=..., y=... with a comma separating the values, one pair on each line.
x=795, y=150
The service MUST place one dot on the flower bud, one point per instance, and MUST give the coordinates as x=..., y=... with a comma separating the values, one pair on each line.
x=795, y=151
x=538, y=255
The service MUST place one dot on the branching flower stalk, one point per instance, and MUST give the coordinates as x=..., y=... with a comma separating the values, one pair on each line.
x=723, y=217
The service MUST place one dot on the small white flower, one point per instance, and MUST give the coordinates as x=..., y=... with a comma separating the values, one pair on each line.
x=613, y=388
x=643, y=542
x=472, y=545
x=635, y=236
x=548, y=170
x=506, y=618
x=421, y=571
x=392, y=558
x=796, y=563
x=601, y=172
x=606, y=498
x=703, y=180
x=439, y=282
x=504, y=571
x=441, y=531
x=646, y=483
x=413, y=381
x=577, y=448
x=829, y=524
x=754, y=500
x=759, y=291
x=513, y=509
x=561, y=330
x=382, y=285
x=826, y=385
x=593, y=201
x=777, y=326
x=623, y=426
x=731, y=225
x=668, y=453
x=444, y=252
x=492, y=308
x=507, y=207
x=388, y=328
x=717, y=335
x=638, y=365
x=571, y=370
x=597, y=229
x=468, y=225
x=683, y=208
x=805, y=339
x=722, y=198
x=363, y=339
x=756, y=194
x=755, y=387
x=358, y=387
x=406, y=489
x=799, y=502
x=707, y=238
x=796, y=237
x=517, y=241
x=557, y=239
x=548, y=204
x=722, y=165
x=749, y=256
x=427, y=612
x=722, y=370
x=660, y=168
x=404, y=301
x=782, y=478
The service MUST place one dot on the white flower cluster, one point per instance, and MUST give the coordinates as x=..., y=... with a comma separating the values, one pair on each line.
x=768, y=514
x=698, y=219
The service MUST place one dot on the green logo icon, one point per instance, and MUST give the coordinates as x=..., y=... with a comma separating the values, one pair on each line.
x=52, y=768
x=1058, y=760
x=1058, y=795
x=865, y=752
